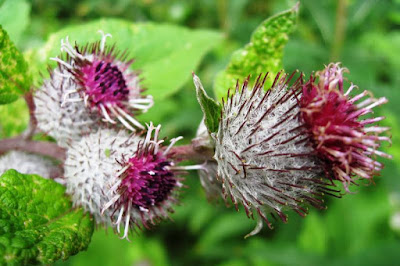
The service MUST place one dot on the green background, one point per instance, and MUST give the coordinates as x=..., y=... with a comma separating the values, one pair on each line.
x=358, y=229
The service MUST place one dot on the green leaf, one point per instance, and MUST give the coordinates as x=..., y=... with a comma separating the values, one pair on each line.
x=13, y=70
x=165, y=54
x=14, y=118
x=107, y=250
x=263, y=54
x=37, y=221
x=211, y=109
x=14, y=17
x=312, y=238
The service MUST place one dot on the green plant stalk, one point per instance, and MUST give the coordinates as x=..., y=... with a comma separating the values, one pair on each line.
x=340, y=30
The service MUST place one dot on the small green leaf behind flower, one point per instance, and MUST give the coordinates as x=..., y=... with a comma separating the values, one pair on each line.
x=211, y=109
x=37, y=222
x=14, y=79
x=262, y=54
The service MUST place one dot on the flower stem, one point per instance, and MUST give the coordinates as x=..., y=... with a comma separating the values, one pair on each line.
x=189, y=152
x=39, y=147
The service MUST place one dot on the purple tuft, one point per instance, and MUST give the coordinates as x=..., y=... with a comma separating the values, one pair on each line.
x=148, y=181
x=104, y=83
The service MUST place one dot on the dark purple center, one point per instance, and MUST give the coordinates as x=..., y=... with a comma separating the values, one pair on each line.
x=104, y=83
x=148, y=181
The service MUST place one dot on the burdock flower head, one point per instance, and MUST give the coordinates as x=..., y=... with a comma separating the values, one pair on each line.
x=62, y=120
x=104, y=82
x=123, y=179
x=265, y=159
x=347, y=144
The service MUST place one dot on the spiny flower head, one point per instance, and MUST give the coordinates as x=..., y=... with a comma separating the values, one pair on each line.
x=91, y=165
x=60, y=119
x=104, y=81
x=265, y=160
x=27, y=164
x=145, y=187
x=345, y=143
x=122, y=179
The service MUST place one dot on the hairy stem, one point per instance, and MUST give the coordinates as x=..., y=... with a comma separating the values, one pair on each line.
x=186, y=152
x=39, y=147
x=189, y=152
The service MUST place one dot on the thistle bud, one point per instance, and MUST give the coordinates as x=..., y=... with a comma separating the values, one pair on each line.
x=104, y=82
x=347, y=144
x=122, y=179
x=265, y=159
x=60, y=119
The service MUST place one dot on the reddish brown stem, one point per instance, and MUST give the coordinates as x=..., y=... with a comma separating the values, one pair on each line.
x=188, y=152
x=39, y=147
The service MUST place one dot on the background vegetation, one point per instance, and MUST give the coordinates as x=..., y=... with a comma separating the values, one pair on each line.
x=360, y=229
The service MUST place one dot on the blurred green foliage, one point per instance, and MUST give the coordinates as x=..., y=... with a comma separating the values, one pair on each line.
x=354, y=230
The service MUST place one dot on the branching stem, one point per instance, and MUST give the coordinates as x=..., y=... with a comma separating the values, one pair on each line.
x=39, y=147
x=51, y=149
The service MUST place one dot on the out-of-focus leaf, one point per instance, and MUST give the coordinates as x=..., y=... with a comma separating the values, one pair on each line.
x=315, y=55
x=384, y=44
x=356, y=221
x=165, y=54
x=37, y=221
x=312, y=237
x=323, y=14
x=105, y=248
x=278, y=253
x=14, y=17
x=14, y=79
x=359, y=11
x=211, y=109
x=14, y=118
x=263, y=54
x=225, y=227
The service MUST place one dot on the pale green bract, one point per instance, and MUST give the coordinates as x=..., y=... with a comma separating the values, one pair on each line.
x=37, y=222
x=164, y=54
x=262, y=54
x=211, y=109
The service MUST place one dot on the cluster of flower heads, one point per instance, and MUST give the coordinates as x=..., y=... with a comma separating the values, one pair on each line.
x=91, y=85
x=280, y=149
x=275, y=150
x=120, y=178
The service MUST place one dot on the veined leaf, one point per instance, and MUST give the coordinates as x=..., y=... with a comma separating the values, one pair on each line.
x=37, y=221
x=14, y=79
x=262, y=54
